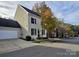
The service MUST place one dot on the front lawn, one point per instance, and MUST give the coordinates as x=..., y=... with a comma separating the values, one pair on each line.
x=40, y=41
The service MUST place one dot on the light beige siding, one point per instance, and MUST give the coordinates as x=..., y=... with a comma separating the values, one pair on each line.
x=22, y=17
x=36, y=26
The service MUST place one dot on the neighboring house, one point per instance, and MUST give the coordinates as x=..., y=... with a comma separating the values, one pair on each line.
x=30, y=22
x=9, y=29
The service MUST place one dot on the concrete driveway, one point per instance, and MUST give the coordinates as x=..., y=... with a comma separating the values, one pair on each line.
x=14, y=44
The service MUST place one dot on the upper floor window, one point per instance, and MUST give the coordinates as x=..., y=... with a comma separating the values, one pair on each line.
x=33, y=21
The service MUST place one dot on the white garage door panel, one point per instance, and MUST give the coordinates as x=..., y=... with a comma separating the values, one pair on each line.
x=4, y=34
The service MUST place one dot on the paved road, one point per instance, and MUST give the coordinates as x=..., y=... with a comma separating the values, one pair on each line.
x=41, y=51
x=74, y=40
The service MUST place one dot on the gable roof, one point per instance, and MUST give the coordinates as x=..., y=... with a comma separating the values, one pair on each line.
x=30, y=11
x=9, y=23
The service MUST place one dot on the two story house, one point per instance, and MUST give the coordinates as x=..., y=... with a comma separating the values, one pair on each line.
x=30, y=22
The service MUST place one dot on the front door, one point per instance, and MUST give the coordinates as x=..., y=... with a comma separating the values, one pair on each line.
x=38, y=33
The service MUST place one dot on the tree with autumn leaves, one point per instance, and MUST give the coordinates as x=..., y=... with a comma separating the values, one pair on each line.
x=51, y=23
x=48, y=19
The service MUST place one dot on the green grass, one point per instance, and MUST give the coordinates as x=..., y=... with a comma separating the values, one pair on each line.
x=39, y=41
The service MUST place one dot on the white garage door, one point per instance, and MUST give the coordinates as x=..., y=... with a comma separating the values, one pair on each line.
x=5, y=34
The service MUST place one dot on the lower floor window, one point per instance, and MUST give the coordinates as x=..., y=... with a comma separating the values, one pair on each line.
x=43, y=32
x=33, y=31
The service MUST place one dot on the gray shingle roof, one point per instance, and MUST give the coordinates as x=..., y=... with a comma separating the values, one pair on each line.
x=9, y=23
x=30, y=11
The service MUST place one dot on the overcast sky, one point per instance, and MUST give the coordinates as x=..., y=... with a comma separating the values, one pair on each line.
x=69, y=11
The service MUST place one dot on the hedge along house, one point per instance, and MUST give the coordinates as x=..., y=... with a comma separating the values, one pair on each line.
x=30, y=22
x=9, y=29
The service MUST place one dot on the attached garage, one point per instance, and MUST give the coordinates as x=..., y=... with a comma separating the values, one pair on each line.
x=9, y=29
x=8, y=34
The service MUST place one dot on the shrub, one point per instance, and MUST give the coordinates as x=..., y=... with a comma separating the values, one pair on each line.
x=28, y=38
